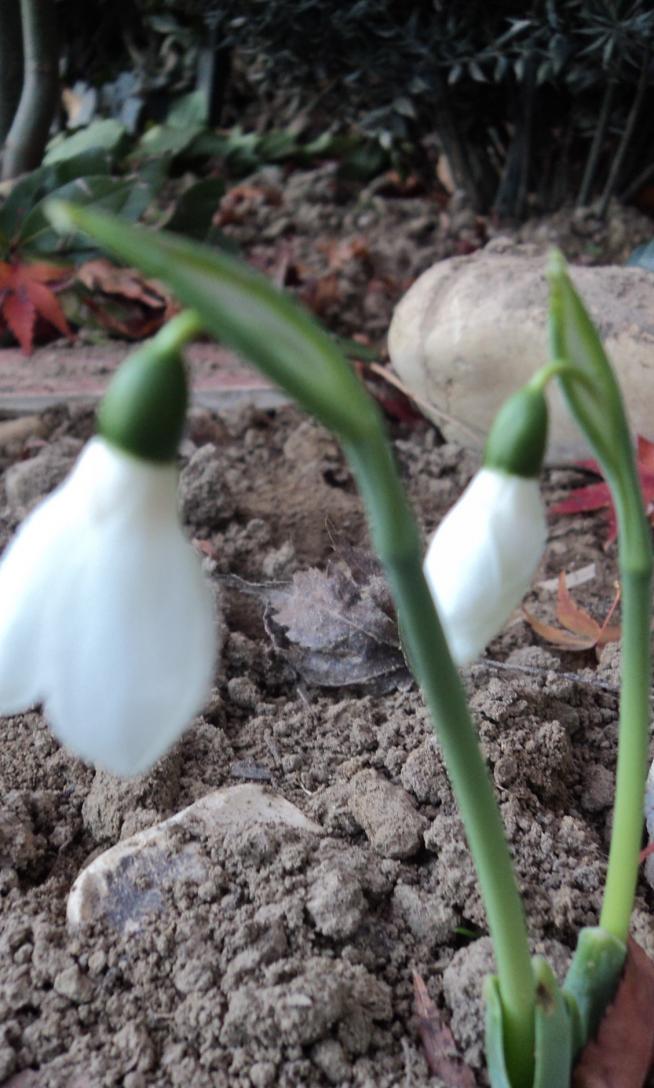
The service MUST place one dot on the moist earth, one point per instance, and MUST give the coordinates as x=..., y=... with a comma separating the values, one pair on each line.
x=291, y=962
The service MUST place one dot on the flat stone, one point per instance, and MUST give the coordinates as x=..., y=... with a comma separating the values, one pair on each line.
x=387, y=815
x=471, y=330
x=127, y=882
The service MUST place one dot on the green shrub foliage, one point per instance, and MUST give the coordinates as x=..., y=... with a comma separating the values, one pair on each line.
x=537, y=103
x=534, y=105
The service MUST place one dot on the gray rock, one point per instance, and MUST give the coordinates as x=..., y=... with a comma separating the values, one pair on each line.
x=471, y=330
x=129, y=881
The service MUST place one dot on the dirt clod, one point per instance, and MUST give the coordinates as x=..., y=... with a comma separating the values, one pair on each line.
x=386, y=814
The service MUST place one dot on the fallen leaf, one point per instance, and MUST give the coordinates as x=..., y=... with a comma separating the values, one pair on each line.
x=319, y=293
x=582, y=632
x=646, y=853
x=102, y=275
x=340, y=252
x=598, y=496
x=389, y=393
x=241, y=200
x=623, y=1052
x=26, y=295
x=438, y=1043
x=122, y=301
x=335, y=627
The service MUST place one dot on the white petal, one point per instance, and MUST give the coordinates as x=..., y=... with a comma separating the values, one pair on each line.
x=482, y=558
x=130, y=645
x=105, y=615
x=30, y=566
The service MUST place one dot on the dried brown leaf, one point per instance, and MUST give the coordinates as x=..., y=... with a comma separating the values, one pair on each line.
x=582, y=632
x=336, y=627
x=622, y=1054
x=438, y=1043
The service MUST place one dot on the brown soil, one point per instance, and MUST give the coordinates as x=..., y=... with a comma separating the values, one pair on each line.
x=292, y=965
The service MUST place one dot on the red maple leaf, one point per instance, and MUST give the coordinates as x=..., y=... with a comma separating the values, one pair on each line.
x=598, y=496
x=578, y=630
x=25, y=295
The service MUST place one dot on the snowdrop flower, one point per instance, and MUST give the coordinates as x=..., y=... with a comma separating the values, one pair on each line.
x=484, y=553
x=104, y=613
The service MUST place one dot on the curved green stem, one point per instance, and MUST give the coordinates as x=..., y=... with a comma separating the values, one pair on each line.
x=397, y=543
x=176, y=333
x=558, y=368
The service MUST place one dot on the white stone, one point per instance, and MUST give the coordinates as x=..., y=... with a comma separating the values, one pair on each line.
x=125, y=883
x=471, y=330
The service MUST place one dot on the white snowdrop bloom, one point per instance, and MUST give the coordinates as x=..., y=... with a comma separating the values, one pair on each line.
x=483, y=556
x=105, y=616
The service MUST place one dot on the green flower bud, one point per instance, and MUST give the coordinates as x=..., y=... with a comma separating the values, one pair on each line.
x=518, y=437
x=143, y=410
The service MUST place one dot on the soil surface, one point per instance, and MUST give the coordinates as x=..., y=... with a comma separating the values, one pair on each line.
x=348, y=251
x=291, y=963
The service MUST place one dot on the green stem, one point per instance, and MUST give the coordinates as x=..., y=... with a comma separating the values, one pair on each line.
x=633, y=730
x=174, y=335
x=396, y=539
x=557, y=369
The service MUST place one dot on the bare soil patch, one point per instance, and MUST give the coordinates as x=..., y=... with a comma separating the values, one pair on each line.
x=292, y=965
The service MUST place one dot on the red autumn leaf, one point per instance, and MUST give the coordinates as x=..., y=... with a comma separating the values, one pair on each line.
x=438, y=1044
x=598, y=496
x=25, y=295
x=389, y=393
x=578, y=631
x=19, y=313
x=622, y=1053
x=646, y=853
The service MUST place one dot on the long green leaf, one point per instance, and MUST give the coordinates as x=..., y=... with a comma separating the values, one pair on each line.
x=242, y=309
x=595, y=403
x=124, y=195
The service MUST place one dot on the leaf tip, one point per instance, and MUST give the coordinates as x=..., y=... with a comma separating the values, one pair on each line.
x=556, y=266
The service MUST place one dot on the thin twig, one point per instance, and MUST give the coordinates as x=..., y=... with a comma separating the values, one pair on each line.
x=540, y=670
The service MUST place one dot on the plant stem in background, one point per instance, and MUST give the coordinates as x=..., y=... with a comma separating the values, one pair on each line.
x=625, y=140
x=599, y=136
x=214, y=66
x=11, y=63
x=28, y=134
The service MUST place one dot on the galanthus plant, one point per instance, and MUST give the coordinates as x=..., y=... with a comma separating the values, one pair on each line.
x=481, y=560
x=534, y=1027
x=106, y=617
